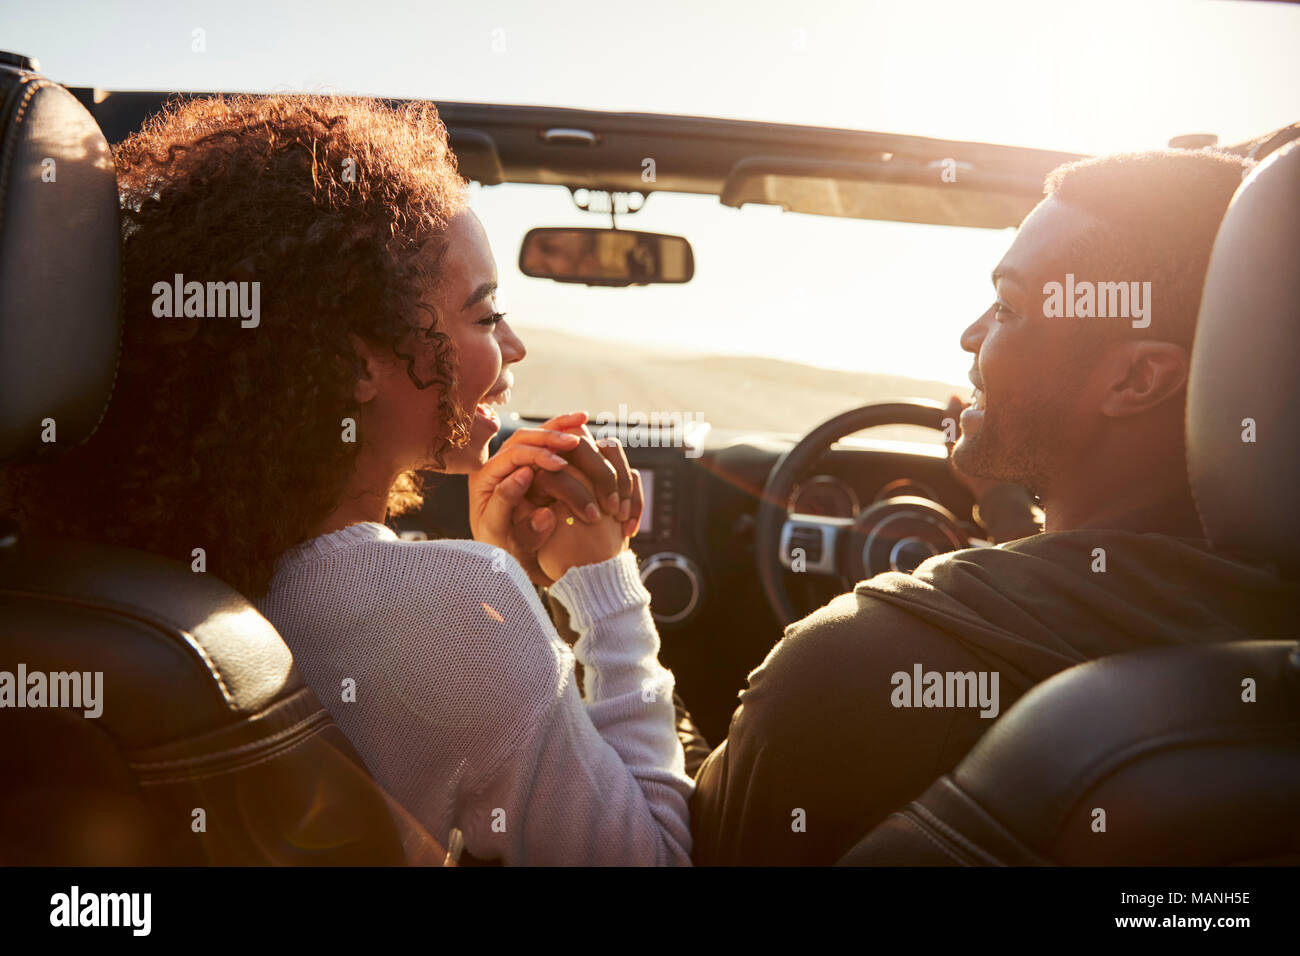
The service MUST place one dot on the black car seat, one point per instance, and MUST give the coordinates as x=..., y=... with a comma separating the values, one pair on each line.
x=1162, y=757
x=209, y=748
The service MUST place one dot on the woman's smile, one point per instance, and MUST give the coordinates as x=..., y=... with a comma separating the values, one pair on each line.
x=486, y=409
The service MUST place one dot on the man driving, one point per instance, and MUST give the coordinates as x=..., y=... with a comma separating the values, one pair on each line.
x=853, y=712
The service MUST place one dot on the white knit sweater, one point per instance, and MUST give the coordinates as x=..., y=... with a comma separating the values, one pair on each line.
x=466, y=705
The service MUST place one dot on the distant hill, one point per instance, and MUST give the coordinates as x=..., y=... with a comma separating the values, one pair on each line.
x=565, y=372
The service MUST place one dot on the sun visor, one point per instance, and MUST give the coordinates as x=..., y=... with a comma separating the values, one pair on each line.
x=476, y=156
x=941, y=192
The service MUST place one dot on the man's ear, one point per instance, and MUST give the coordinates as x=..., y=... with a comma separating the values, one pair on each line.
x=1143, y=375
x=367, y=387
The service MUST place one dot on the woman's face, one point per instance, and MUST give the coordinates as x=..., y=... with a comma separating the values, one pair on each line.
x=485, y=345
x=401, y=420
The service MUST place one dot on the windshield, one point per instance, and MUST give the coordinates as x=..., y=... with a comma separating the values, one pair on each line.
x=789, y=319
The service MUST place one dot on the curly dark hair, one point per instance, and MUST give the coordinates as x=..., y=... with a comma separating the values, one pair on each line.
x=229, y=438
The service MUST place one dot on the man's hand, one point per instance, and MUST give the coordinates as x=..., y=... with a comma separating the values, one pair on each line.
x=575, y=543
x=591, y=486
x=518, y=513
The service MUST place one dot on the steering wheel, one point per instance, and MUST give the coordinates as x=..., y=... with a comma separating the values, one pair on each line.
x=896, y=534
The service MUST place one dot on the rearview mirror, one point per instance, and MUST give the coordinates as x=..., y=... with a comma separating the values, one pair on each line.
x=613, y=257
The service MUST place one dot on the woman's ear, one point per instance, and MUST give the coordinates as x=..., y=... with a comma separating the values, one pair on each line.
x=367, y=386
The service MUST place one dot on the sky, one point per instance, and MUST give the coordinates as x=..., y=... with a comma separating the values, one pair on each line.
x=1088, y=77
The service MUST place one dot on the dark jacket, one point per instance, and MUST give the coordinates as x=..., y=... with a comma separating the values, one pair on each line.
x=821, y=749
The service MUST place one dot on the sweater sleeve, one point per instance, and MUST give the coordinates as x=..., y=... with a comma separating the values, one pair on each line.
x=596, y=782
x=439, y=663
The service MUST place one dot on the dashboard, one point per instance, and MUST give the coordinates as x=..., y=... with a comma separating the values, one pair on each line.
x=829, y=497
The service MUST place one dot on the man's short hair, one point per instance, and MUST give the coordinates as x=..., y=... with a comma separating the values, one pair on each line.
x=1160, y=211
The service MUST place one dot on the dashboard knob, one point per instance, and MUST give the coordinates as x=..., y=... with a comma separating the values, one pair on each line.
x=674, y=584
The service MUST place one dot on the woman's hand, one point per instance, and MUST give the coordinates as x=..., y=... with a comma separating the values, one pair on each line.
x=575, y=543
x=517, y=512
x=498, y=513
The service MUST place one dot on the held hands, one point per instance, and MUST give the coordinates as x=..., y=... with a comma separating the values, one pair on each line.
x=574, y=543
x=543, y=477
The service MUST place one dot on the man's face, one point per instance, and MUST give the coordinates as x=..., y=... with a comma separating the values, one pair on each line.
x=1029, y=416
x=564, y=254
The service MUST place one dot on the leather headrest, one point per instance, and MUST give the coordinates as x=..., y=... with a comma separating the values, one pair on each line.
x=60, y=272
x=1242, y=407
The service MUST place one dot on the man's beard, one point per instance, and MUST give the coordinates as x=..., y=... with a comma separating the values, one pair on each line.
x=1020, y=440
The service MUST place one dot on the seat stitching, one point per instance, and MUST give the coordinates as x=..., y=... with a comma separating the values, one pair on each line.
x=10, y=144
x=925, y=832
x=243, y=766
x=233, y=751
x=166, y=628
x=965, y=842
x=1108, y=765
x=974, y=806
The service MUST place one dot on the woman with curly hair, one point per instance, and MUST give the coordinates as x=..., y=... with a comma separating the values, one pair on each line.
x=269, y=446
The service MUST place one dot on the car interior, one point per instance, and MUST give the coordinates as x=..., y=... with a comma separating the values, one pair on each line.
x=221, y=719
